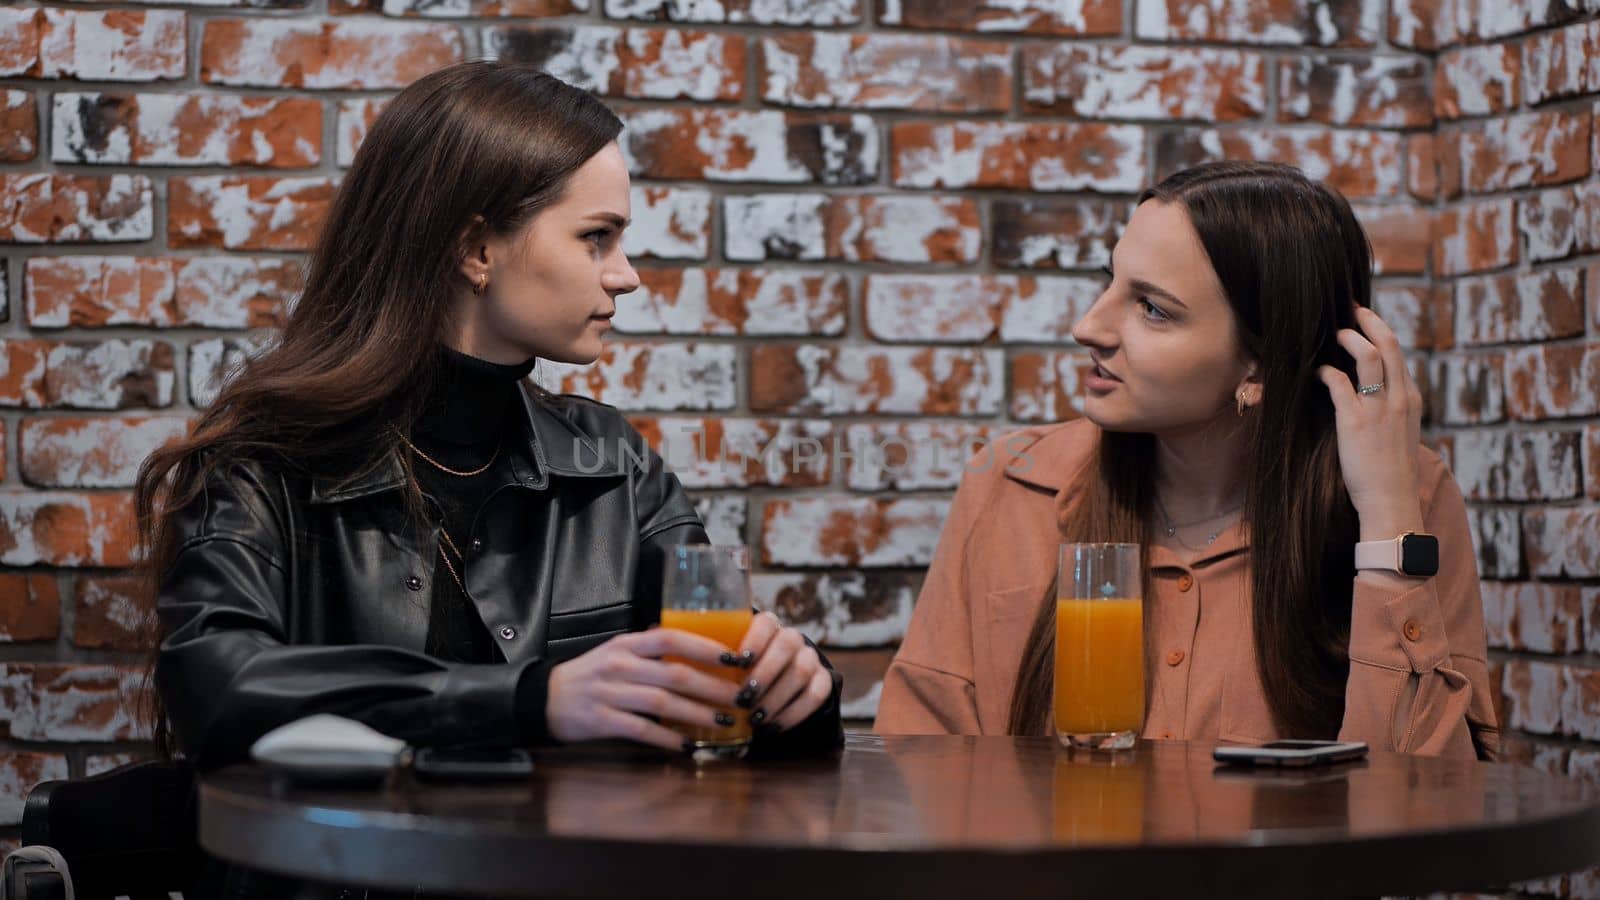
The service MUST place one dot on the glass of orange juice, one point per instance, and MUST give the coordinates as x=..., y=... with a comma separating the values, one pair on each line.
x=706, y=591
x=1099, y=680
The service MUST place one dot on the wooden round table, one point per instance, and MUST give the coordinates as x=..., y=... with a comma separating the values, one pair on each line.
x=932, y=817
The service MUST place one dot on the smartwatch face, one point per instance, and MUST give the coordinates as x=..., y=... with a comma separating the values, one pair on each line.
x=1419, y=555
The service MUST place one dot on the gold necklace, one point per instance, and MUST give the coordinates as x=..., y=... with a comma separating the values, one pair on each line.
x=444, y=468
x=447, y=564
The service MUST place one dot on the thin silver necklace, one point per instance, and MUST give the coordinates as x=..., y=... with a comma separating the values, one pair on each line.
x=1172, y=527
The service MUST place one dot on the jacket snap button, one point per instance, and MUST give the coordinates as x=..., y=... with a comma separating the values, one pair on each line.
x=1185, y=582
x=507, y=632
x=1175, y=657
x=477, y=544
x=1412, y=630
x=413, y=582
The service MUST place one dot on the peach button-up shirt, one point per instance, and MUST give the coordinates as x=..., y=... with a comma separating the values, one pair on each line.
x=1419, y=679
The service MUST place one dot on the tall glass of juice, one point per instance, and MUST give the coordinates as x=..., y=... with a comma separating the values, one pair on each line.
x=706, y=591
x=1099, y=678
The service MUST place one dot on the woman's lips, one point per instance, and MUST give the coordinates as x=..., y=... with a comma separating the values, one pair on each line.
x=1100, y=380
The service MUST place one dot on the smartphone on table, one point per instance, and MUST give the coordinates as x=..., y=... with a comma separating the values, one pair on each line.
x=1291, y=754
x=471, y=763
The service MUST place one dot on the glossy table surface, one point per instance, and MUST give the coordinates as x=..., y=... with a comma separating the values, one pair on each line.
x=920, y=816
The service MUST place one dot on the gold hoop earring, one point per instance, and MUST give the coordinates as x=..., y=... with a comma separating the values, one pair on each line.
x=482, y=285
x=1239, y=398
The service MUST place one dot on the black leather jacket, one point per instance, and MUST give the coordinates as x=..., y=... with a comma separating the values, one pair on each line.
x=295, y=595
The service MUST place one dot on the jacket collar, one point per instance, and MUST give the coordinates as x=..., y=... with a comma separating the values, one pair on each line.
x=557, y=445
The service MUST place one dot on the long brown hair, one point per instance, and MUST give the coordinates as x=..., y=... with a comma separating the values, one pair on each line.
x=1292, y=259
x=472, y=149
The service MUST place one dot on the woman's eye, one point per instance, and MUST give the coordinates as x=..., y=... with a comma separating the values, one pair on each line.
x=1152, y=311
x=598, y=237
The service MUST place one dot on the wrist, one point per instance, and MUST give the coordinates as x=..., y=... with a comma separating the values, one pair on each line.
x=1389, y=523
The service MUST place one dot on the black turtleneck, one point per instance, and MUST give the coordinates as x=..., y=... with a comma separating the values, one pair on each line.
x=472, y=418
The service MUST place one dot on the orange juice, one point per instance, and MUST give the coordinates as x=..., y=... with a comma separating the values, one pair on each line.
x=726, y=627
x=1099, y=665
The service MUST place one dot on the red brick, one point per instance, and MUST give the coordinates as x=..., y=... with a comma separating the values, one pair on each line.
x=726, y=518
x=1422, y=24
x=322, y=55
x=97, y=291
x=466, y=9
x=30, y=607
x=736, y=301
x=1051, y=233
x=974, y=308
x=912, y=456
x=739, y=12
x=886, y=71
x=1595, y=160
x=1447, y=157
x=42, y=208
x=100, y=763
x=715, y=453
x=86, y=375
x=3, y=451
x=1488, y=20
x=1580, y=702
x=186, y=130
x=108, y=613
x=50, y=702
x=669, y=223
x=1407, y=311
x=1533, y=306
x=91, y=453
x=1562, y=63
x=851, y=531
x=234, y=292
x=1561, y=222
x=1381, y=92
x=1359, y=164
x=863, y=672
x=56, y=528
x=751, y=145
x=1530, y=150
x=854, y=228
x=1083, y=18
x=1533, y=695
x=824, y=380
x=1040, y=157
x=643, y=63
x=212, y=362
x=653, y=377
x=1400, y=238
x=1517, y=465
x=1497, y=538
x=1477, y=81
x=1543, y=618
x=19, y=772
x=355, y=118
x=1357, y=23
x=1422, y=166
x=840, y=609
x=1474, y=237
x=1559, y=542
x=1156, y=83
x=19, y=126
x=1046, y=387
x=1442, y=316
x=247, y=212
x=93, y=45
x=1467, y=389
x=1591, y=626
x=1553, y=382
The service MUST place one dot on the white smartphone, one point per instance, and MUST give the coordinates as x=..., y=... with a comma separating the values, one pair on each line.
x=1291, y=753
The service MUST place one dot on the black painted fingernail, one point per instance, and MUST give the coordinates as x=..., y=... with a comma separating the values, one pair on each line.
x=757, y=717
x=724, y=719
x=729, y=659
x=747, y=696
x=747, y=658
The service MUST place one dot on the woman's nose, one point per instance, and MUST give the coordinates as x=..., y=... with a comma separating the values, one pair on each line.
x=621, y=279
x=1095, y=329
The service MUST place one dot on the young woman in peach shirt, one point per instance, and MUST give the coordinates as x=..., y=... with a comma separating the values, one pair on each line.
x=1248, y=420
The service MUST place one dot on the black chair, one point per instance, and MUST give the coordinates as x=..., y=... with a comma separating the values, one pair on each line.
x=129, y=833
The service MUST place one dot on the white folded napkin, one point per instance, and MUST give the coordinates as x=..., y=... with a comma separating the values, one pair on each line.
x=327, y=746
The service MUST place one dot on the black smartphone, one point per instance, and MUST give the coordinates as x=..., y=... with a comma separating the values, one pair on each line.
x=472, y=764
x=1291, y=753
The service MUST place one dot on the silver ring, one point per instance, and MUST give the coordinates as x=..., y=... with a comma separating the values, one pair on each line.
x=1370, y=389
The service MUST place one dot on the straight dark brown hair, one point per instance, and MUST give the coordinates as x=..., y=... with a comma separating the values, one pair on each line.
x=473, y=149
x=1293, y=263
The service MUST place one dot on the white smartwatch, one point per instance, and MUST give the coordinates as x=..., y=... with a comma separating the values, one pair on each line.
x=1413, y=553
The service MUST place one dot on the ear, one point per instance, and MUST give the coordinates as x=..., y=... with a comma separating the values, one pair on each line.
x=1250, y=387
x=474, y=251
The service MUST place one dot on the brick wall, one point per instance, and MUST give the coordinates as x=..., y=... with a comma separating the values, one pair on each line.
x=864, y=229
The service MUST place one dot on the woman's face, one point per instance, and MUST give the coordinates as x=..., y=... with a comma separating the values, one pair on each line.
x=1163, y=337
x=553, y=284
